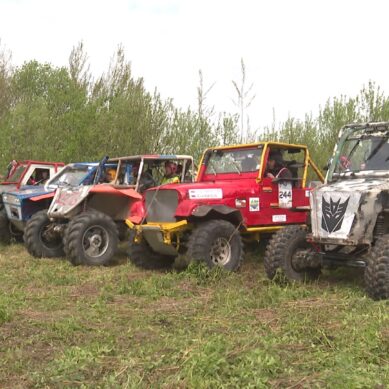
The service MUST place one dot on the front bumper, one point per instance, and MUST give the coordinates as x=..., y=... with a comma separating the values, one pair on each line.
x=163, y=238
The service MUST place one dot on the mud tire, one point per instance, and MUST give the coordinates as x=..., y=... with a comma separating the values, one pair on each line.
x=212, y=240
x=377, y=270
x=142, y=256
x=34, y=242
x=5, y=232
x=78, y=232
x=279, y=252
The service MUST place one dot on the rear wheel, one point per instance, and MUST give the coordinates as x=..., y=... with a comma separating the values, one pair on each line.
x=142, y=255
x=40, y=238
x=288, y=253
x=91, y=238
x=377, y=270
x=217, y=243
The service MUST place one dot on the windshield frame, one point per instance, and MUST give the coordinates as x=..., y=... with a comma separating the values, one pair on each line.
x=88, y=169
x=236, y=168
x=349, y=133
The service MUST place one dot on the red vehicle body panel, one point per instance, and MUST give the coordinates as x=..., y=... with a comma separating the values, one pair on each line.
x=115, y=191
x=266, y=192
x=42, y=197
x=27, y=164
x=262, y=201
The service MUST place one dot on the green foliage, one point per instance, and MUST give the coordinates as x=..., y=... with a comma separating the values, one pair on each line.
x=320, y=134
x=53, y=113
x=50, y=113
x=64, y=326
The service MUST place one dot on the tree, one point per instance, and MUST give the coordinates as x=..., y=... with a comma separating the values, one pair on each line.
x=243, y=101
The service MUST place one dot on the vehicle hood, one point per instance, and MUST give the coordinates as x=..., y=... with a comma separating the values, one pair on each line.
x=345, y=212
x=7, y=188
x=28, y=192
x=208, y=190
x=67, y=199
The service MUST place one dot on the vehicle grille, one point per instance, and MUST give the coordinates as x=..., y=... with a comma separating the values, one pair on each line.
x=161, y=205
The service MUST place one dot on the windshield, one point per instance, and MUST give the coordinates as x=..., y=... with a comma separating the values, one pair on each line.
x=72, y=176
x=234, y=161
x=16, y=174
x=363, y=153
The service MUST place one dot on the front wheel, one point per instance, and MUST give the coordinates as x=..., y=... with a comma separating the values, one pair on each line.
x=141, y=255
x=377, y=270
x=5, y=232
x=217, y=243
x=91, y=238
x=40, y=238
x=289, y=253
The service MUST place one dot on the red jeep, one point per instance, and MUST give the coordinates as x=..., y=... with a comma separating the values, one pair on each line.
x=242, y=190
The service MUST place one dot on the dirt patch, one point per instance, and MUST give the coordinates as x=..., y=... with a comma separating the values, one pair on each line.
x=83, y=290
x=268, y=317
x=42, y=316
x=315, y=302
x=297, y=382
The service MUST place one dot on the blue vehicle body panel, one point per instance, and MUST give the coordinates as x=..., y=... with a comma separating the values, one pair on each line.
x=20, y=207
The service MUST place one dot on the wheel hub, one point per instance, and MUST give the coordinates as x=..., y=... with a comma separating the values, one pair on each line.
x=220, y=252
x=95, y=241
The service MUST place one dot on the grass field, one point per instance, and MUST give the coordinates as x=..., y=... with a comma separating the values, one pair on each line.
x=64, y=326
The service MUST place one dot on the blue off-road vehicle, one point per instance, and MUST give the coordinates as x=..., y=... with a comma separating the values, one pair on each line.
x=20, y=205
x=22, y=175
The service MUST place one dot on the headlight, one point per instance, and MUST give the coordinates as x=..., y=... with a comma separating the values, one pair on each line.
x=10, y=199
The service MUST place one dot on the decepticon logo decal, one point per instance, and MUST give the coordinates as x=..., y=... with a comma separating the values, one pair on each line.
x=333, y=214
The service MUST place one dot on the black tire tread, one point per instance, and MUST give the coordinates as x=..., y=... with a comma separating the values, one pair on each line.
x=199, y=240
x=5, y=233
x=377, y=270
x=142, y=256
x=73, y=233
x=277, y=250
x=31, y=240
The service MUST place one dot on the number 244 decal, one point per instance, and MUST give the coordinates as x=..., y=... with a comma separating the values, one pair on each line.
x=285, y=194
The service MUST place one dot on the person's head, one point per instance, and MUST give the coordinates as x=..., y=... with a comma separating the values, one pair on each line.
x=344, y=162
x=110, y=174
x=45, y=174
x=170, y=168
x=135, y=169
x=275, y=160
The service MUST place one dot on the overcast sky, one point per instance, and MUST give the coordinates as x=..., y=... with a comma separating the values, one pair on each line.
x=298, y=53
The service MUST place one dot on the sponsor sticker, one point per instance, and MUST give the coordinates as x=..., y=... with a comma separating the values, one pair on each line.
x=254, y=204
x=205, y=193
x=307, y=193
x=285, y=195
x=279, y=218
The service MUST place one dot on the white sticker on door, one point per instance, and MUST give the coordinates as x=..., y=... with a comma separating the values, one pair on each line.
x=285, y=194
x=205, y=193
x=279, y=218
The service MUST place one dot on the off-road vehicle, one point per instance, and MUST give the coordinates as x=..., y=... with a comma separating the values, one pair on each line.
x=349, y=215
x=20, y=175
x=91, y=218
x=20, y=205
x=240, y=191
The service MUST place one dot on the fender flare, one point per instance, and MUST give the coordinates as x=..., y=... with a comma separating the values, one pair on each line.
x=221, y=211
